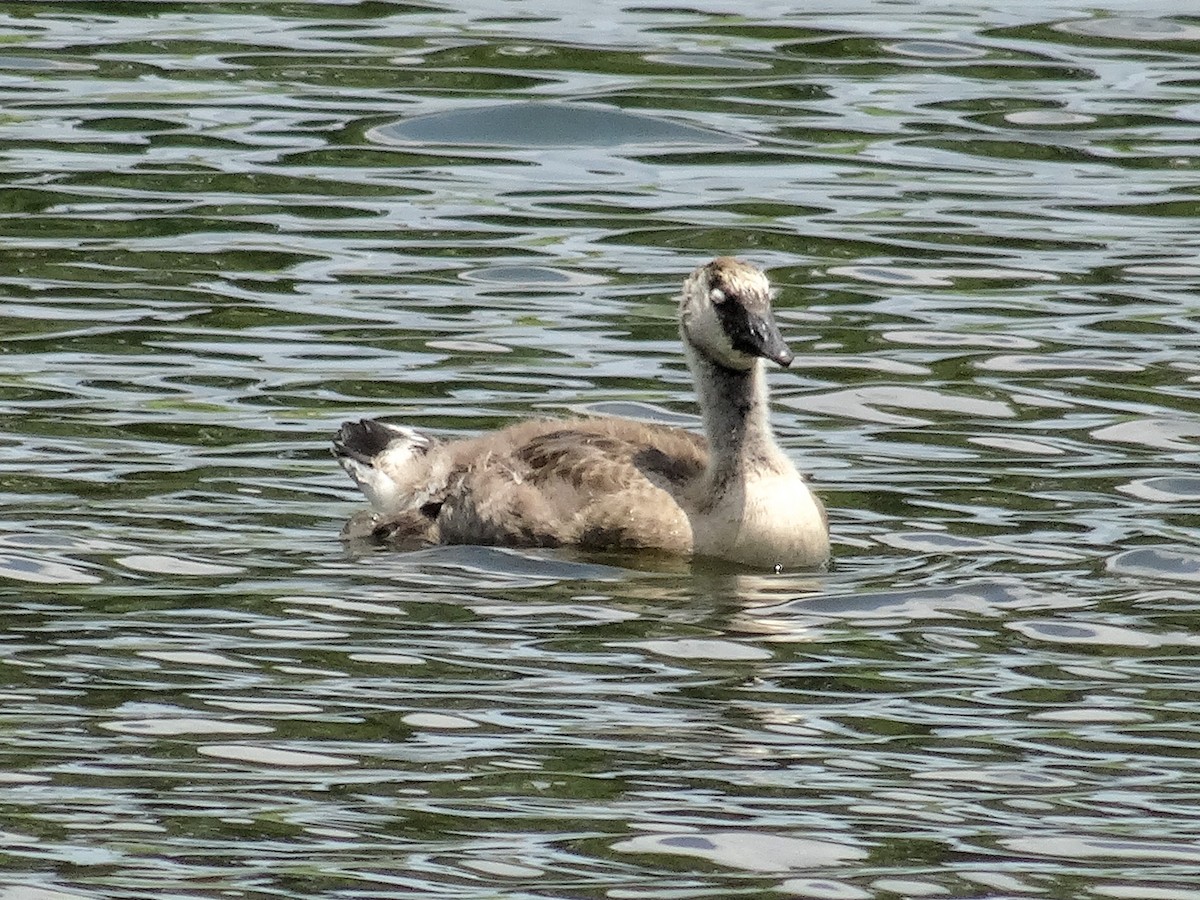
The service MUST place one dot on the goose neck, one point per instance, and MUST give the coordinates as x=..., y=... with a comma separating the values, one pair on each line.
x=734, y=405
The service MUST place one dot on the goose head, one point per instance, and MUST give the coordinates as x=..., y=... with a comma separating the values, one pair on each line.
x=725, y=314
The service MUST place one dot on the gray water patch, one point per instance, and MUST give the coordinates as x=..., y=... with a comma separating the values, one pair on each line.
x=979, y=599
x=23, y=891
x=38, y=64
x=868, y=404
x=753, y=851
x=958, y=340
x=270, y=757
x=438, y=721
x=938, y=542
x=1087, y=847
x=1132, y=28
x=42, y=571
x=1049, y=118
x=936, y=276
x=703, y=648
x=510, y=566
x=174, y=727
x=910, y=887
x=530, y=276
x=998, y=776
x=822, y=889
x=1017, y=445
x=200, y=658
x=1164, y=488
x=1171, y=563
x=532, y=124
x=1156, y=433
x=643, y=412
x=460, y=346
x=1091, y=716
x=705, y=61
x=162, y=564
x=1027, y=362
x=937, y=50
x=1096, y=634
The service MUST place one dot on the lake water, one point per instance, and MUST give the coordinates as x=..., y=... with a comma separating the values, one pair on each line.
x=229, y=226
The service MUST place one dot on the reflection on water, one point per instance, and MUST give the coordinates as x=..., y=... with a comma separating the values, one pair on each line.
x=228, y=227
x=547, y=125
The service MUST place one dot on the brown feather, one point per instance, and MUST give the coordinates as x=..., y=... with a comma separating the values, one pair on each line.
x=578, y=482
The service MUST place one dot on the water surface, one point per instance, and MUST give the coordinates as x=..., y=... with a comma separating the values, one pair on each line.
x=228, y=227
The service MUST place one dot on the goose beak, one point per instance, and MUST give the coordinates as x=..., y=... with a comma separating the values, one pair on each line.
x=767, y=341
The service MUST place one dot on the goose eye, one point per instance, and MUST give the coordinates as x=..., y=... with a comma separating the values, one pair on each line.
x=716, y=295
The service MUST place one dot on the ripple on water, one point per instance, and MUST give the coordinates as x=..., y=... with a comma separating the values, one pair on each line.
x=202, y=658
x=1078, y=847
x=275, y=756
x=1018, y=445
x=703, y=648
x=1015, y=362
x=167, y=727
x=755, y=851
x=1160, y=434
x=940, y=542
x=484, y=568
x=981, y=598
x=958, y=340
x=39, y=64
x=577, y=610
x=1093, y=634
x=30, y=892
x=438, y=721
x=533, y=124
x=299, y=603
x=387, y=659
x=530, y=276
x=43, y=571
x=997, y=777
x=933, y=276
x=1092, y=716
x=707, y=61
x=1164, y=488
x=159, y=564
x=1169, y=563
x=1048, y=118
x=936, y=50
x=910, y=887
x=1132, y=28
x=864, y=404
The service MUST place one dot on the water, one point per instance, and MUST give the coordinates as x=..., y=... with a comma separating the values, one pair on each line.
x=227, y=227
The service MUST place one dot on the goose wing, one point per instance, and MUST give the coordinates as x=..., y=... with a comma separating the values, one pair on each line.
x=598, y=483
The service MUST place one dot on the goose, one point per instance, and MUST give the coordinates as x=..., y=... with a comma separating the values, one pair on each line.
x=612, y=483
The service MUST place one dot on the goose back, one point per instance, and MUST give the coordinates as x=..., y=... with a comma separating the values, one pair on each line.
x=546, y=484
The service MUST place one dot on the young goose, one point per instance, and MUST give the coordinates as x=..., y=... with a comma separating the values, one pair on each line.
x=615, y=483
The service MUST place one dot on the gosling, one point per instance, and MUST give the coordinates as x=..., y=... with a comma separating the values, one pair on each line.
x=615, y=484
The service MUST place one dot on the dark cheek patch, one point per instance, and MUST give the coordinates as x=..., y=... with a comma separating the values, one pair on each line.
x=736, y=325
